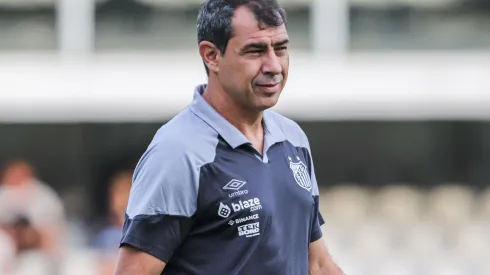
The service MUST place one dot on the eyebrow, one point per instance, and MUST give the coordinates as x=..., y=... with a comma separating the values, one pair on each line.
x=281, y=43
x=259, y=46
x=262, y=46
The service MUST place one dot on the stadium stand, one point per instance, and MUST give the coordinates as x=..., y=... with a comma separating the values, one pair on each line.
x=27, y=4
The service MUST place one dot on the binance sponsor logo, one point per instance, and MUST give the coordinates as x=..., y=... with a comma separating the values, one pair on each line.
x=244, y=219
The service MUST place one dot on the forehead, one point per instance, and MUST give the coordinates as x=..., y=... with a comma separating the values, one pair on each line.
x=247, y=29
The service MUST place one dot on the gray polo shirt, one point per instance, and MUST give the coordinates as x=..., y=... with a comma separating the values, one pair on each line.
x=206, y=202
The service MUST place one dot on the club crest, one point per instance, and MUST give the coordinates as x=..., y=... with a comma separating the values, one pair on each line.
x=300, y=173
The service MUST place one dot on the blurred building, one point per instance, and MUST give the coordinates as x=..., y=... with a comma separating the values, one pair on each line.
x=394, y=96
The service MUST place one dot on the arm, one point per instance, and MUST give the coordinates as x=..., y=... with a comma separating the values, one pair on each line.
x=319, y=260
x=132, y=261
x=159, y=214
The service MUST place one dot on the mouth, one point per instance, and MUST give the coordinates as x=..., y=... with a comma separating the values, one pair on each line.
x=268, y=85
x=269, y=88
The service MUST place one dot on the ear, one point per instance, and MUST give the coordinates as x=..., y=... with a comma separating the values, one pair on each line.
x=210, y=55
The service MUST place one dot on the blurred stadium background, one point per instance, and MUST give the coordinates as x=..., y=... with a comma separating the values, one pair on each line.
x=394, y=95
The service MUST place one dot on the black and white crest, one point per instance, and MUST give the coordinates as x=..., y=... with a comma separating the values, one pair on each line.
x=300, y=173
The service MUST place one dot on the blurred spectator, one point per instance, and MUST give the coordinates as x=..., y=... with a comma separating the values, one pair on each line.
x=30, y=209
x=107, y=240
x=7, y=252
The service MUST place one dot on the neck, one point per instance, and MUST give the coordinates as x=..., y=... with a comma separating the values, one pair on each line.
x=247, y=121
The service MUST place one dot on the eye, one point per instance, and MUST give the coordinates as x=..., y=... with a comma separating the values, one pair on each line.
x=281, y=49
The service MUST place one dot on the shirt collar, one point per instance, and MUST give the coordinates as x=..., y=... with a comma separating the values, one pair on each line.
x=201, y=108
x=273, y=133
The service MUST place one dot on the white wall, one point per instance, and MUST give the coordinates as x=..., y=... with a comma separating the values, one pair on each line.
x=154, y=87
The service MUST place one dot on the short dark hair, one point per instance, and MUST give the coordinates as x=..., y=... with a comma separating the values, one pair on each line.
x=214, y=21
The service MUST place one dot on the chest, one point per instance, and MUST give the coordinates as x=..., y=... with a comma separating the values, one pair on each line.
x=239, y=188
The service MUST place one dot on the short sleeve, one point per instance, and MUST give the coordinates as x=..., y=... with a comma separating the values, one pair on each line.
x=162, y=201
x=316, y=230
x=317, y=220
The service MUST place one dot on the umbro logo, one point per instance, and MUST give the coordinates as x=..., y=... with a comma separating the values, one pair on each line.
x=235, y=185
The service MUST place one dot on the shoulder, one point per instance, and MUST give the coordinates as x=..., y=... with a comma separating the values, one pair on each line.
x=290, y=128
x=176, y=154
x=184, y=137
x=166, y=178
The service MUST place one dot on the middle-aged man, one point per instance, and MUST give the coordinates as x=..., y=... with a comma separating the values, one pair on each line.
x=227, y=186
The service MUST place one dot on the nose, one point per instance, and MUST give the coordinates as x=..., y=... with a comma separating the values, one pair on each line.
x=271, y=64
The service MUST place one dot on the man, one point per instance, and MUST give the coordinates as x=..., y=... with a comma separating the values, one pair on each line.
x=107, y=240
x=31, y=208
x=227, y=186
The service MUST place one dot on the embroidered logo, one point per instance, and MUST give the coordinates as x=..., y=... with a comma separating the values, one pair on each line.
x=300, y=173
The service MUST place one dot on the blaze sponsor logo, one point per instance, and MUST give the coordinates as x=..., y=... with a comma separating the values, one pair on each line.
x=252, y=204
x=224, y=210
